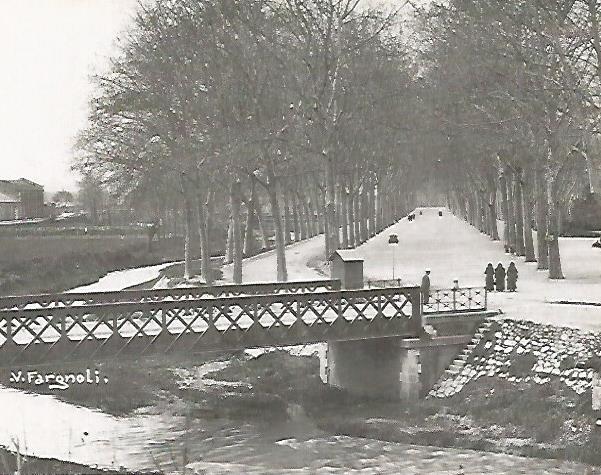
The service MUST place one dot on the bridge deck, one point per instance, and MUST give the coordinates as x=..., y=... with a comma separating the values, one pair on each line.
x=103, y=330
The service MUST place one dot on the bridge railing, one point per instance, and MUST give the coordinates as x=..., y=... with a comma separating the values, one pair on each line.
x=108, y=330
x=383, y=283
x=177, y=294
x=460, y=300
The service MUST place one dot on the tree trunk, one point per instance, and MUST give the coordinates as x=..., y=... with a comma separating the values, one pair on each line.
x=308, y=204
x=229, y=245
x=319, y=208
x=295, y=217
x=249, y=236
x=379, y=206
x=351, y=217
x=280, y=242
x=555, y=271
x=237, y=237
x=519, y=216
x=303, y=216
x=492, y=205
x=188, y=218
x=505, y=207
x=372, y=208
x=363, y=216
x=541, y=220
x=287, y=217
x=528, y=241
x=330, y=207
x=344, y=215
x=205, y=252
x=357, y=218
x=510, y=222
x=206, y=264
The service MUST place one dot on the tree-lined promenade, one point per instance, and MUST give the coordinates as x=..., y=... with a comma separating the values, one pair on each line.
x=253, y=106
x=274, y=121
x=514, y=88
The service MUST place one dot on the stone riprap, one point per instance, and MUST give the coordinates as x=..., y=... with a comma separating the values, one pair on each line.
x=524, y=352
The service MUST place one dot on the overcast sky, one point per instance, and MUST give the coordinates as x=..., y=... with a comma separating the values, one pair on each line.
x=49, y=49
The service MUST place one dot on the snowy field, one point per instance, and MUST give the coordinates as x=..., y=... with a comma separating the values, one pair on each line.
x=453, y=249
x=123, y=279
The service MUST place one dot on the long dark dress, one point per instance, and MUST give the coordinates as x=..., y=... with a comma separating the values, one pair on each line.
x=512, y=278
x=500, y=278
x=490, y=278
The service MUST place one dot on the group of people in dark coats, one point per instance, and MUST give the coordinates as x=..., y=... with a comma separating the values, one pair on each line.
x=495, y=277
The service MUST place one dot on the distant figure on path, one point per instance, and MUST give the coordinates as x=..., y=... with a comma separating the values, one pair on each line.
x=490, y=277
x=512, y=277
x=500, y=278
x=425, y=288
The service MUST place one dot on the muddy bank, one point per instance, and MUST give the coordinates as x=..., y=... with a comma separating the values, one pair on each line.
x=11, y=462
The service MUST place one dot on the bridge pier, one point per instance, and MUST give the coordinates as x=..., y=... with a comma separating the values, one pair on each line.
x=403, y=367
x=368, y=368
x=390, y=368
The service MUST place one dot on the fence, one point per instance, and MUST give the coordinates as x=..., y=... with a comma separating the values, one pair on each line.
x=463, y=299
x=177, y=294
x=383, y=283
x=108, y=330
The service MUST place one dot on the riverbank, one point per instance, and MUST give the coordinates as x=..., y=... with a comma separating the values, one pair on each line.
x=53, y=264
x=13, y=462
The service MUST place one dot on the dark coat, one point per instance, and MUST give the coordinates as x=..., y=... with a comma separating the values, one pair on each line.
x=512, y=278
x=500, y=278
x=490, y=278
x=425, y=288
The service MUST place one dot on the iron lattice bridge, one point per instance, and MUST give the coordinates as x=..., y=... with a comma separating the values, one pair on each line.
x=107, y=325
x=460, y=300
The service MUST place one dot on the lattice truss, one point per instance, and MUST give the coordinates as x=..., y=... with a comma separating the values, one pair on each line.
x=162, y=295
x=246, y=320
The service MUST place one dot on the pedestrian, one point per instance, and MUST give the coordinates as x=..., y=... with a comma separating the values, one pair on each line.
x=490, y=277
x=512, y=277
x=500, y=278
x=425, y=288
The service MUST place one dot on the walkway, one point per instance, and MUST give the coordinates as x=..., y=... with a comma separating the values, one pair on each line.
x=453, y=249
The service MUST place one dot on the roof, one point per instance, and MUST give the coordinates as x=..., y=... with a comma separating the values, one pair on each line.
x=347, y=255
x=23, y=183
x=8, y=199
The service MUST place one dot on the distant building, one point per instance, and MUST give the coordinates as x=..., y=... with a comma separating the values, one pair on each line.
x=21, y=199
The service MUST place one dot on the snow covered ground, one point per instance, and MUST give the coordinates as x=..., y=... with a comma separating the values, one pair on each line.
x=453, y=249
x=299, y=257
x=123, y=279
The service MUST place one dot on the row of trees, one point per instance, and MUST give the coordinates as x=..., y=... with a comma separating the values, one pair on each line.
x=281, y=119
x=231, y=111
x=512, y=108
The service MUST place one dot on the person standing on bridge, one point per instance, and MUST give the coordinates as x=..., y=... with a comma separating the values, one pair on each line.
x=512, y=277
x=500, y=278
x=425, y=288
x=490, y=277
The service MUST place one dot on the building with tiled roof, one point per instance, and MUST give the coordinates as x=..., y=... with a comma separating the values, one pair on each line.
x=21, y=199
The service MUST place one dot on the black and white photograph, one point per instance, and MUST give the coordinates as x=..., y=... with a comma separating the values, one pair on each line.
x=300, y=237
